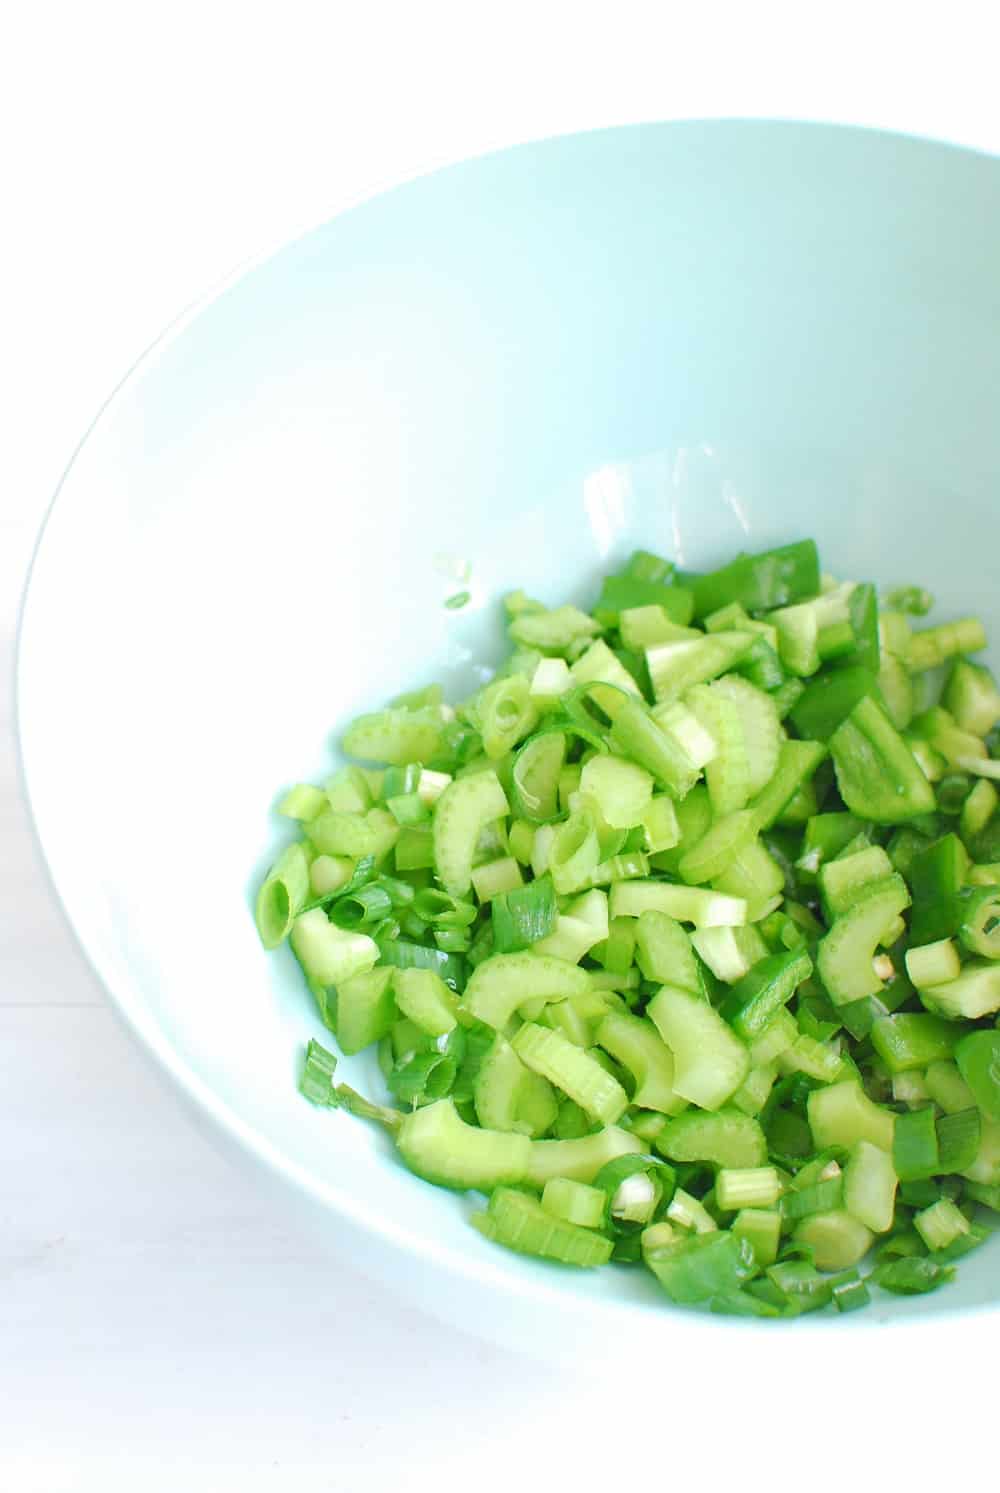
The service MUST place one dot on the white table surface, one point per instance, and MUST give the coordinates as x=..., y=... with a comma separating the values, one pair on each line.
x=163, y=1323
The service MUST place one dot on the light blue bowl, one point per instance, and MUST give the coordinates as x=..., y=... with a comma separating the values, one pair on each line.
x=692, y=337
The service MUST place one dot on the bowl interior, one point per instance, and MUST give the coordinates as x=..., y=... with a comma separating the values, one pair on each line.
x=691, y=337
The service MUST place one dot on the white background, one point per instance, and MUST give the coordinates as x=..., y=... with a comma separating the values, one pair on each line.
x=163, y=1324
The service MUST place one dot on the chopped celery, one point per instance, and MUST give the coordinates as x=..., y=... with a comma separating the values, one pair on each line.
x=727, y=1138
x=581, y=1158
x=439, y=1146
x=574, y=1202
x=635, y=1043
x=579, y=1076
x=523, y=1224
x=870, y=1185
x=492, y=902
x=505, y=981
x=710, y=1061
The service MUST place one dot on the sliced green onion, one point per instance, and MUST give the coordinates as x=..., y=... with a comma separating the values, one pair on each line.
x=912, y=1276
x=959, y=1137
x=316, y=1082
x=414, y=850
x=422, y=1077
x=915, y=1145
x=523, y=915
x=406, y=955
x=361, y=909
x=702, y=1266
x=634, y=1187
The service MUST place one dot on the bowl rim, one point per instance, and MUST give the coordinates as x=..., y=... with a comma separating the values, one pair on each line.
x=197, y=1093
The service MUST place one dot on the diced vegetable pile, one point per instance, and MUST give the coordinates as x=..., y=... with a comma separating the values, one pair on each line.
x=680, y=940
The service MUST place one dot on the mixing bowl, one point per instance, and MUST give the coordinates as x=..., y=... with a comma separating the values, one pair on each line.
x=689, y=337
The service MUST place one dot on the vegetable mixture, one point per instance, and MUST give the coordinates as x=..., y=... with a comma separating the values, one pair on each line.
x=679, y=941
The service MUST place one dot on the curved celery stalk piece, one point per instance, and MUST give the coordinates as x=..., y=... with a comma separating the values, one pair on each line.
x=423, y=996
x=761, y=728
x=503, y=713
x=552, y=631
x=622, y=790
x=575, y=1202
x=971, y=995
x=580, y=1159
x=578, y=929
x=846, y=954
x=395, y=736
x=500, y=1086
x=521, y=1223
x=728, y=773
x=663, y=951
x=465, y=807
x=687, y=904
x=838, y=1239
x=844, y=879
x=710, y=1061
x=329, y=954
x=717, y=848
x=637, y=1045
x=842, y=1114
x=730, y=953
x=436, y=1143
x=572, y=1070
x=505, y=981
x=727, y=1138
x=675, y=667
